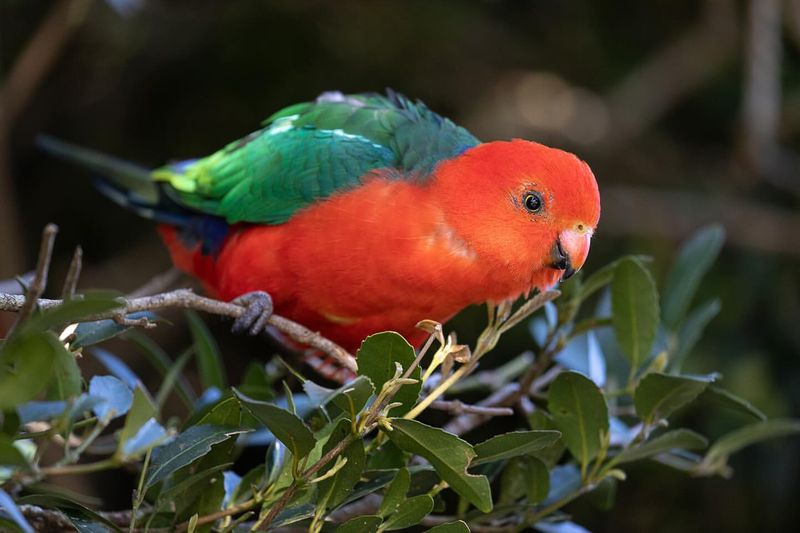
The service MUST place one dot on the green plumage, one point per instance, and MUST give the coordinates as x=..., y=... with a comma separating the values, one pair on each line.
x=309, y=151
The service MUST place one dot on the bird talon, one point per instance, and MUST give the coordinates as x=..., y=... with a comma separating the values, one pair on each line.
x=257, y=311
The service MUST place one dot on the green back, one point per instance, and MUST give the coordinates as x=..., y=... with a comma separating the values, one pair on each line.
x=308, y=151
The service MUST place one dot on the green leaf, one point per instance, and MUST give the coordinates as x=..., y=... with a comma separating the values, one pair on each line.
x=512, y=444
x=524, y=476
x=580, y=412
x=66, y=381
x=76, y=310
x=692, y=330
x=634, y=304
x=448, y=454
x=287, y=427
x=26, y=364
x=360, y=524
x=679, y=438
x=170, y=493
x=353, y=396
x=659, y=395
x=209, y=360
x=409, y=513
x=458, y=526
x=338, y=488
x=188, y=447
x=10, y=454
x=605, y=275
x=70, y=507
x=142, y=409
x=604, y=494
x=694, y=260
x=541, y=420
x=727, y=399
x=376, y=360
x=91, y=333
x=715, y=460
x=395, y=492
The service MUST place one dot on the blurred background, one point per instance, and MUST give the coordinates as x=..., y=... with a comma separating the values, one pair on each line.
x=688, y=111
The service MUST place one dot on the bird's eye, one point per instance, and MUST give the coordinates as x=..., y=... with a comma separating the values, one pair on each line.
x=533, y=201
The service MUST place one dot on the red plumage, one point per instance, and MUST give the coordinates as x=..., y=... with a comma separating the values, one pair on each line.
x=390, y=253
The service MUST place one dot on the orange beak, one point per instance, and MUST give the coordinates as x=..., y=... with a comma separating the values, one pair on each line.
x=570, y=250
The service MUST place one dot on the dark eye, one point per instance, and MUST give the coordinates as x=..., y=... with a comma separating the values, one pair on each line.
x=533, y=201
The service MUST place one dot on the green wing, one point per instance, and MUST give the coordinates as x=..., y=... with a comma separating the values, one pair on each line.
x=311, y=150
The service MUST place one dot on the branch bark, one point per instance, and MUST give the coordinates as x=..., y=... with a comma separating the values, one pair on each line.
x=186, y=299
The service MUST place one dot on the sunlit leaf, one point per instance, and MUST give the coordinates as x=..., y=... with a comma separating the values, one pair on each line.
x=634, y=302
x=580, y=412
x=376, y=360
x=448, y=454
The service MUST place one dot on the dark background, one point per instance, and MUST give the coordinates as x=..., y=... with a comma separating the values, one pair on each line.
x=688, y=112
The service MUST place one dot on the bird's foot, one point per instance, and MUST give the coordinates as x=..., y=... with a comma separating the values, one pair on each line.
x=257, y=310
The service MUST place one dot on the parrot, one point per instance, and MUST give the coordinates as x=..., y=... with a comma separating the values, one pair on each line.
x=358, y=213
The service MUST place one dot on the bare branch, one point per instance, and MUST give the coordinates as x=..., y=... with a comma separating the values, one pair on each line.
x=465, y=423
x=39, y=282
x=457, y=407
x=186, y=299
x=73, y=274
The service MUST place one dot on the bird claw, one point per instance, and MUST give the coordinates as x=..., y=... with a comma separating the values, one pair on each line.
x=257, y=311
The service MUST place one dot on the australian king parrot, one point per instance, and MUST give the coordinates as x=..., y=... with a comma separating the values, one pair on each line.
x=363, y=213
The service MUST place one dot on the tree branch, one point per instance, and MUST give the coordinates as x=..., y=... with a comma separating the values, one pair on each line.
x=186, y=299
x=39, y=283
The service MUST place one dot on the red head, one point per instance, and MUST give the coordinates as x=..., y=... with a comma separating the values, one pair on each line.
x=528, y=211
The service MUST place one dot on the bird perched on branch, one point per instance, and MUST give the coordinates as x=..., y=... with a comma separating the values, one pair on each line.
x=363, y=213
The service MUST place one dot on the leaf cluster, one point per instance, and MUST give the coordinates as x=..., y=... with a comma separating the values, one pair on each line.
x=601, y=388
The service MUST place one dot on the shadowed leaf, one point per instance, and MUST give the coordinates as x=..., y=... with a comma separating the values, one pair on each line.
x=376, y=360
x=634, y=302
x=286, y=426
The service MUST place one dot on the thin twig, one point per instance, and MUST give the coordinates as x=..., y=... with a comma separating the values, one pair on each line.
x=39, y=282
x=465, y=423
x=186, y=299
x=457, y=407
x=73, y=274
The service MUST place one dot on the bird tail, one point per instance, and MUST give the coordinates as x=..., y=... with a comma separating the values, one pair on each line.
x=127, y=184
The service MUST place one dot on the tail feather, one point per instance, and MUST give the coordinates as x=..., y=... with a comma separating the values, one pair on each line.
x=132, y=186
x=129, y=177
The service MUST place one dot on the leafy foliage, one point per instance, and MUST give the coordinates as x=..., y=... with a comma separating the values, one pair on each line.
x=600, y=391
